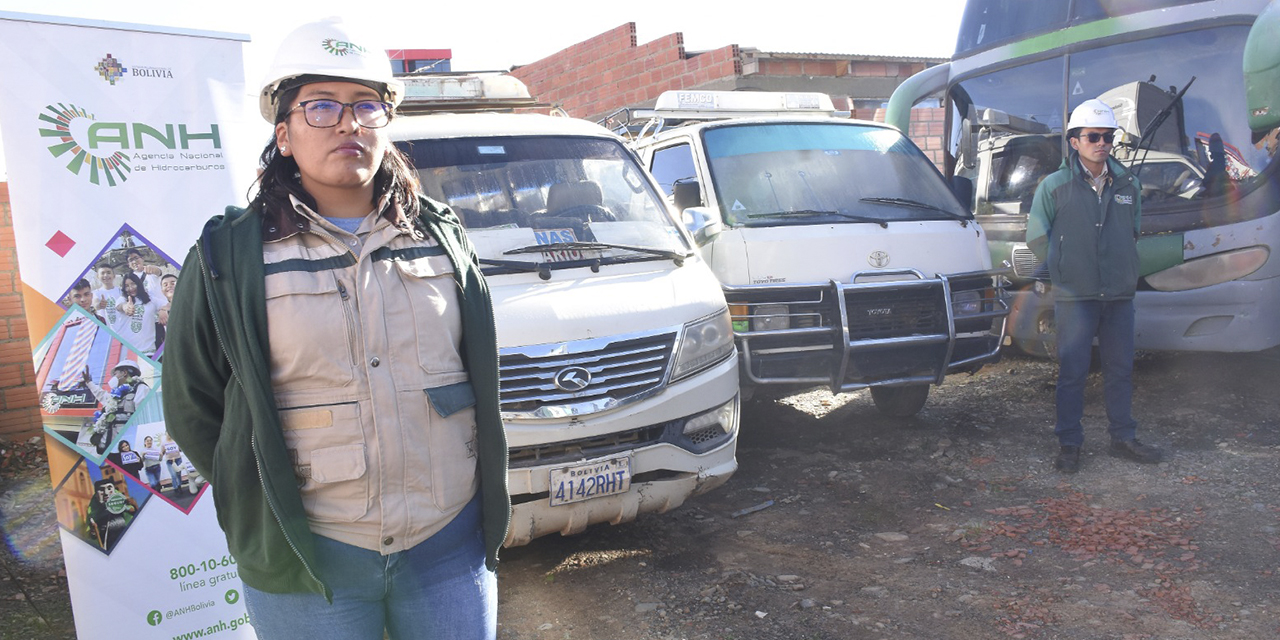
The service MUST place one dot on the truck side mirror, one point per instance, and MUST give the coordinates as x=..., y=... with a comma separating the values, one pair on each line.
x=686, y=193
x=963, y=188
x=704, y=223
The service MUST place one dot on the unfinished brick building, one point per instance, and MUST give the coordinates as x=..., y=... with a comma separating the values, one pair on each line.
x=598, y=76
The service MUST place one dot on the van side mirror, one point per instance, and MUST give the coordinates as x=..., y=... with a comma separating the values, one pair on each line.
x=686, y=193
x=963, y=188
x=704, y=223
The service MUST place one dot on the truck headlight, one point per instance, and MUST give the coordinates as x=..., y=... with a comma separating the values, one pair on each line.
x=966, y=303
x=703, y=343
x=1210, y=270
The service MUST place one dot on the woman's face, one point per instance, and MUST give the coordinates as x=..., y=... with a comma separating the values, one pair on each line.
x=130, y=287
x=345, y=156
x=146, y=442
x=124, y=446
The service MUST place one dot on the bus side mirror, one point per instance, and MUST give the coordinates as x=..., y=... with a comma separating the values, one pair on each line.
x=704, y=223
x=963, y=188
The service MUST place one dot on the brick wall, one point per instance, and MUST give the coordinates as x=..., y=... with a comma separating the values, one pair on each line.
x=19, y=415
x=598, y=76
x=593, y=78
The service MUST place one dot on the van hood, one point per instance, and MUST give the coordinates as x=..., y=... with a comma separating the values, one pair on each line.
x=576, y=304
x=806, y=254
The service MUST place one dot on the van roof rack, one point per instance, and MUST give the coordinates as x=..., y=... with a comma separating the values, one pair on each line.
x=454, y=92
x=682, y=106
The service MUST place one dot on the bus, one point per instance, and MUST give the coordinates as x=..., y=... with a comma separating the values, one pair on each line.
x=1172, y=71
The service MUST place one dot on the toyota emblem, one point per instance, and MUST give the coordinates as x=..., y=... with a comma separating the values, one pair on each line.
x=878, y=259
x=573, y=378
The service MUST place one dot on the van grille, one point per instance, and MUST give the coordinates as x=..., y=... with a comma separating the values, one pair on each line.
x=620, y=370
x=897, y=312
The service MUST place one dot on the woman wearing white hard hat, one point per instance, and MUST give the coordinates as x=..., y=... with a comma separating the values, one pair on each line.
x=331, y=369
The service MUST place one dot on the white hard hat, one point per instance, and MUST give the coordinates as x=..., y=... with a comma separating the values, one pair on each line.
x=1092, y=114
x=129, y=364
x=325, y=50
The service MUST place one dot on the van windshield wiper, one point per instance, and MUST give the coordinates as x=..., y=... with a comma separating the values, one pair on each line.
x=916, y=204
x=816, y=212
x=515, y=266
x=674, y=256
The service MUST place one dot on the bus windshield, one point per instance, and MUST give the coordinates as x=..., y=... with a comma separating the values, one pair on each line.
x=1010, y=132
x=514, y=193
x=800, y=173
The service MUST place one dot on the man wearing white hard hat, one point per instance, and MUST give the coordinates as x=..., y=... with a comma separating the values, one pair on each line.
x=318, y=375
x=1084, y=223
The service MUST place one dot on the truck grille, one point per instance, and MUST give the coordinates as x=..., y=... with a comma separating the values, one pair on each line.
x=890, y=313
x=1024, y=262
x=620, y=370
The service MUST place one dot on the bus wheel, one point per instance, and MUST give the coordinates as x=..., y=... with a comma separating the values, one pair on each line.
x=900, y=402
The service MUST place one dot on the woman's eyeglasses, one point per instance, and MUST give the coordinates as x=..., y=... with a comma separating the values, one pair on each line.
x=324, y=113
x=1092, y=137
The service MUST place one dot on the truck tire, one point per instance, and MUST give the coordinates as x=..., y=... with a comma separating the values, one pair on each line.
x=900, y=402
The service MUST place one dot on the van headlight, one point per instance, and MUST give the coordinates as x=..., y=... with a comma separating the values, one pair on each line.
x=1210, y=270
x=703, y=343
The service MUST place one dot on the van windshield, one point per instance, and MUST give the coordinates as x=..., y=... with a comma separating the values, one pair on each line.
x=807, y=173
x=586, y=198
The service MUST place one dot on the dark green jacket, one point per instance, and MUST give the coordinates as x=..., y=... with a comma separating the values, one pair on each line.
x=1090, y=246
x=219, y=405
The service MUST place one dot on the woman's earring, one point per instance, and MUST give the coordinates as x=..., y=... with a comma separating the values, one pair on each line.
x=283, y=149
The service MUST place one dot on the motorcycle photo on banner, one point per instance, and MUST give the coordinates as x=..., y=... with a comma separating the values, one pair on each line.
x=117, y=143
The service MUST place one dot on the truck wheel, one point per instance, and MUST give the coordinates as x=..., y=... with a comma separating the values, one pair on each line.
x=900, y=402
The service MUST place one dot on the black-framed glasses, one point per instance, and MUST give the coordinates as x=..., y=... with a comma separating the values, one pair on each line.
x=1093, y=137
x=324, y=113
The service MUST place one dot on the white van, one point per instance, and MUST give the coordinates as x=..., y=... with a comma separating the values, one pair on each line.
x=618, y=376
x=845, y=258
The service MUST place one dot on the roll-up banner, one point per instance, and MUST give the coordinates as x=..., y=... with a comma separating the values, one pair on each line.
x=120, y=141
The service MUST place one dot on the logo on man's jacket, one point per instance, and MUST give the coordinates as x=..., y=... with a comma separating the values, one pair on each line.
x=1122, y=199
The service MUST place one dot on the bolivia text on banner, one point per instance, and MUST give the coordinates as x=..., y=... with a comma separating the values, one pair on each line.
x=121, y=140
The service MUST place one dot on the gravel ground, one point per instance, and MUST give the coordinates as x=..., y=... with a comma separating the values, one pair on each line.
x=950, y=524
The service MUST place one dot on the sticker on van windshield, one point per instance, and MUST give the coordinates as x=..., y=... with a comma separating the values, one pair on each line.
x=491, y=150
x=556, y=236
x=737, y=206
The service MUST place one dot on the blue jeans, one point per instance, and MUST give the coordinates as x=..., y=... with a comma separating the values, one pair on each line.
x=153, y=476
x=175, y=473
x=1078, y=322
x=438, y=590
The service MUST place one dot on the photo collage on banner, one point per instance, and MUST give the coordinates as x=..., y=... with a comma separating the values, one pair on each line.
x=118, y=149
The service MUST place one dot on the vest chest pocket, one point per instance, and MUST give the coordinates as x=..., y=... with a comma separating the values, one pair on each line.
x=311, y=329
x=432, y=294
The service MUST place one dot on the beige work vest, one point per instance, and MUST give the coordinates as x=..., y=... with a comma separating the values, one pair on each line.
x=365, y=366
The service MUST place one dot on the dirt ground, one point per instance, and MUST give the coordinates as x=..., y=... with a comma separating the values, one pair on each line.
x=951, y=524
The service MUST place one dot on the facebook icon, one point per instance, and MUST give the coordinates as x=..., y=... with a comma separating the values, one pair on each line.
x=154, y=618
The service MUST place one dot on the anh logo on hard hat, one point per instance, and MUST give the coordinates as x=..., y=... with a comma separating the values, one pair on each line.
x=116, y=149
x=340, y=48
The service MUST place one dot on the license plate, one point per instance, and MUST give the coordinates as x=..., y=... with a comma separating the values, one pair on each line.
x=590, y=480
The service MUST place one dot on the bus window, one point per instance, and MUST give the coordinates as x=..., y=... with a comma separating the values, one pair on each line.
x=1204, y=149
x=1011, y=126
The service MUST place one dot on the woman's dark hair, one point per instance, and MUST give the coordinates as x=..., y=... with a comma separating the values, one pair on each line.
x=140, y=292
x=124, y=443
x=279, y=177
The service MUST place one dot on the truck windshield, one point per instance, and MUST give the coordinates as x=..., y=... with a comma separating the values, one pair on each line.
x=586, y=199
x=764, y=173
